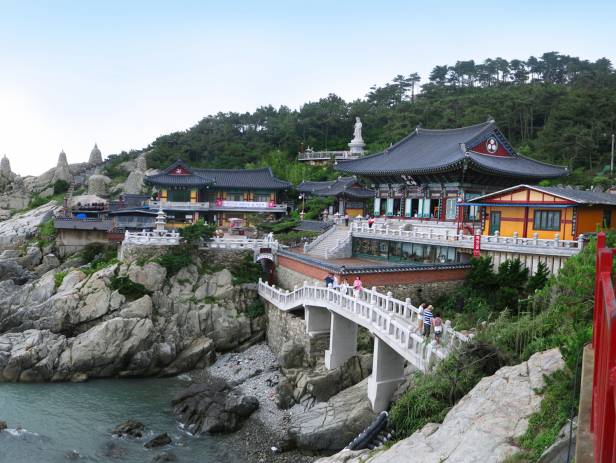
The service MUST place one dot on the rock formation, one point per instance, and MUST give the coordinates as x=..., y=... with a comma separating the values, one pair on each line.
x=97, y=185
x=483, y=426
x=96, y=157
x=134, y=183
x=84, y=328
x=213, y=407
x=62, y=171
x=5, y=168
x=22, y=227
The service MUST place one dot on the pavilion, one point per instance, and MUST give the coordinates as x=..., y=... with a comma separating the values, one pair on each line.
x=350, y=196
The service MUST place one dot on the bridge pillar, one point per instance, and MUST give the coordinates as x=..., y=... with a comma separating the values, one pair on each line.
x=387, y=374
x=318, y=320
x=342, y=341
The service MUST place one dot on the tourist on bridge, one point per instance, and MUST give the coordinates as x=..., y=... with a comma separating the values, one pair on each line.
x=370, y=221
x=336, y=283
x=420, y=319
x=427, y=320
x=346, y=219
x=357, y=284
x=329, y=280
x=437, y=322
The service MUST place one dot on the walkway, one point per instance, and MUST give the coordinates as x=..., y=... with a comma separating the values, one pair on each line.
x=393, y=322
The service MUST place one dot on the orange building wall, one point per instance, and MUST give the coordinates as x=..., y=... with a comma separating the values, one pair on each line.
x=512, y=220
x=590, y=218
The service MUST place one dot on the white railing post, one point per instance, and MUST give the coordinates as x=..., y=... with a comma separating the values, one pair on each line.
x=407, y=308
x=580, y=242
x=388, y=305
x=556, y=240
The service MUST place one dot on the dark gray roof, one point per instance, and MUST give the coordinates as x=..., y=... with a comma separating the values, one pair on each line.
x=244, y=178
x=313, y=225
x=427, y=151
x=220, y=178
x=341, y=186
x=191, y=179
x=571, y=194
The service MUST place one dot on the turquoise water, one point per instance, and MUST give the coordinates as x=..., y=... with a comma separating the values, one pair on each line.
x=58, y=419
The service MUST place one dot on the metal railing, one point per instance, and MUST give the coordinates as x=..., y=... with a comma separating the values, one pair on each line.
x=392, y=320
x=603, y=415
x=325, y=155
x=495, y=242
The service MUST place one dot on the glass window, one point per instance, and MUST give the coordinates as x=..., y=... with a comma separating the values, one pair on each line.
x=547, y=220
x=179, y=195
x=450, y=209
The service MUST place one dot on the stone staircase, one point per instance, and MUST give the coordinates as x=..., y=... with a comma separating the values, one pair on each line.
x=320, y=249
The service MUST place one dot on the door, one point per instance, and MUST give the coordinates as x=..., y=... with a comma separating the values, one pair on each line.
x=495, y=220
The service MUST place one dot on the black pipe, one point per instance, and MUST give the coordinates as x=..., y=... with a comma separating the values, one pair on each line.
x=364, y=439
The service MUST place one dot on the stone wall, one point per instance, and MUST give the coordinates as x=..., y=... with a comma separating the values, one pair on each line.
x=224, y=257
x=422, y=292
x=71, y=241
x=285, y=326
x=288, y=278
x=131, y=252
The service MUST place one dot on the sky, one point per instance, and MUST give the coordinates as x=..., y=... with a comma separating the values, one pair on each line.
x=121, y=73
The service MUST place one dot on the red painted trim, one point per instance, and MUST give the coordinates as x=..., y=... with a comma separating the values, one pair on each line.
x=516, y=203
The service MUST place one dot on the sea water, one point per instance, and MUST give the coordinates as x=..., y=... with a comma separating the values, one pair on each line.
x=63, y=422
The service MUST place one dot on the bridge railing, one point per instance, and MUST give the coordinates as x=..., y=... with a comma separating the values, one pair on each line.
x=603, y=416
x=396, y=322
x=241, y=243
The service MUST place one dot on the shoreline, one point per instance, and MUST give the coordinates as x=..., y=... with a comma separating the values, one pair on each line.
x=255, y=371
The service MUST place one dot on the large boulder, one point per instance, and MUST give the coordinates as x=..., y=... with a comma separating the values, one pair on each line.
x=333, y=424
x=151, y=275
x=213, y=407
x=483, y=426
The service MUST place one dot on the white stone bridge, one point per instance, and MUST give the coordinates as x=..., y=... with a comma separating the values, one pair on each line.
x=394, y=324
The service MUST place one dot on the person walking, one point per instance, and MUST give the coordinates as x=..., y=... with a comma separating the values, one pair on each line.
x=420, y=318
x=357, y=284
x=336, y=284
x=370, y=222
x=437, y=323
x=346, y=219
x=427, y=320
x=329, y=280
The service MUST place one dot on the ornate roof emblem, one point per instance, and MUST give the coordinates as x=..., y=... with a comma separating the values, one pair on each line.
x=491, y=145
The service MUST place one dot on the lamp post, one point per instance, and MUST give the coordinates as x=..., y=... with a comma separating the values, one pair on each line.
x=302, y=196
x=612, y=158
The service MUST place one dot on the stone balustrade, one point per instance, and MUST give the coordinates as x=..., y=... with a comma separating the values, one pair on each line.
x=152, y=238
x=242, y=243
x=392, y=320
x=535, y=245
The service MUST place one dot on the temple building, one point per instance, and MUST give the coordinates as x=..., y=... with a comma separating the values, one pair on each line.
x=543, y=212
x=216, y=195
x=428, y=174
x=350, y=197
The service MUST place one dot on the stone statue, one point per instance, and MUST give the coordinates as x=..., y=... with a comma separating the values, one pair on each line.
x=97, y=185
x=357, y=132
x=96, y=157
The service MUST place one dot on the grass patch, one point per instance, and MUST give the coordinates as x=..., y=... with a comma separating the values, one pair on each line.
x=58, y=278
x=245, y=271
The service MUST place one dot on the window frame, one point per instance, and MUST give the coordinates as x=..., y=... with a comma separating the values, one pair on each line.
x=541, y=220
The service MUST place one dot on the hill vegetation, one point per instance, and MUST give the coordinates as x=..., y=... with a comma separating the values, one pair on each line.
x=555, y=107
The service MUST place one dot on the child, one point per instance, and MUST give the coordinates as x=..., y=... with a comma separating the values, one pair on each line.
x=427, y=320
x=357, y=285
x=438, y=327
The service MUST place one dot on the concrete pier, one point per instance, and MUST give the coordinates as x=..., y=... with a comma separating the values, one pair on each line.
x=342, y=341
x=318, y=320
x=387, y=374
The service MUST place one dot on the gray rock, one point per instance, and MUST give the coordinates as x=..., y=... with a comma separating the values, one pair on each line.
x=483, y=425
x=129, y=428
x=22, y=227
x=158, y=441
x=151, y=275
x=561, y=451
x=141, y=308
x=291, y=355
x=165, y=456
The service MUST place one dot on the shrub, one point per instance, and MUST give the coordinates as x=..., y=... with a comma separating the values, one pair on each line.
x=60, y=186
x=175, y=259
x=197, y=232
x=256, y=309
x=246, y=271
x=128, y=288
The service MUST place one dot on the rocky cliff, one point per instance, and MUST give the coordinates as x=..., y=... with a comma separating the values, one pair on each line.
x=73, y=325
x=482, y=427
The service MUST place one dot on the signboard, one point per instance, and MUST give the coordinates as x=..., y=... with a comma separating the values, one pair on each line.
x=476, y=245
x=245, y=204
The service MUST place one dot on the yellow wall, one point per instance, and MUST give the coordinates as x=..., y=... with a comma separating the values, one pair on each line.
x=354, y=212
x=163, y=195
x=193, y=196
x=508, y=226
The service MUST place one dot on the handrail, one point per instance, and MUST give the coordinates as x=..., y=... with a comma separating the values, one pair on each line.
x=392, y=320
x=488, y=242
x=603, y=415
x=323, y=236
x=340, y=244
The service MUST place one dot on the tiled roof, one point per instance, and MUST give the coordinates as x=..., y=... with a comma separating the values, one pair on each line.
x=313, y=225
x=343, y=185
x=220, y=178
x=244, y=178
x=426, y=151
x=571, y=194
